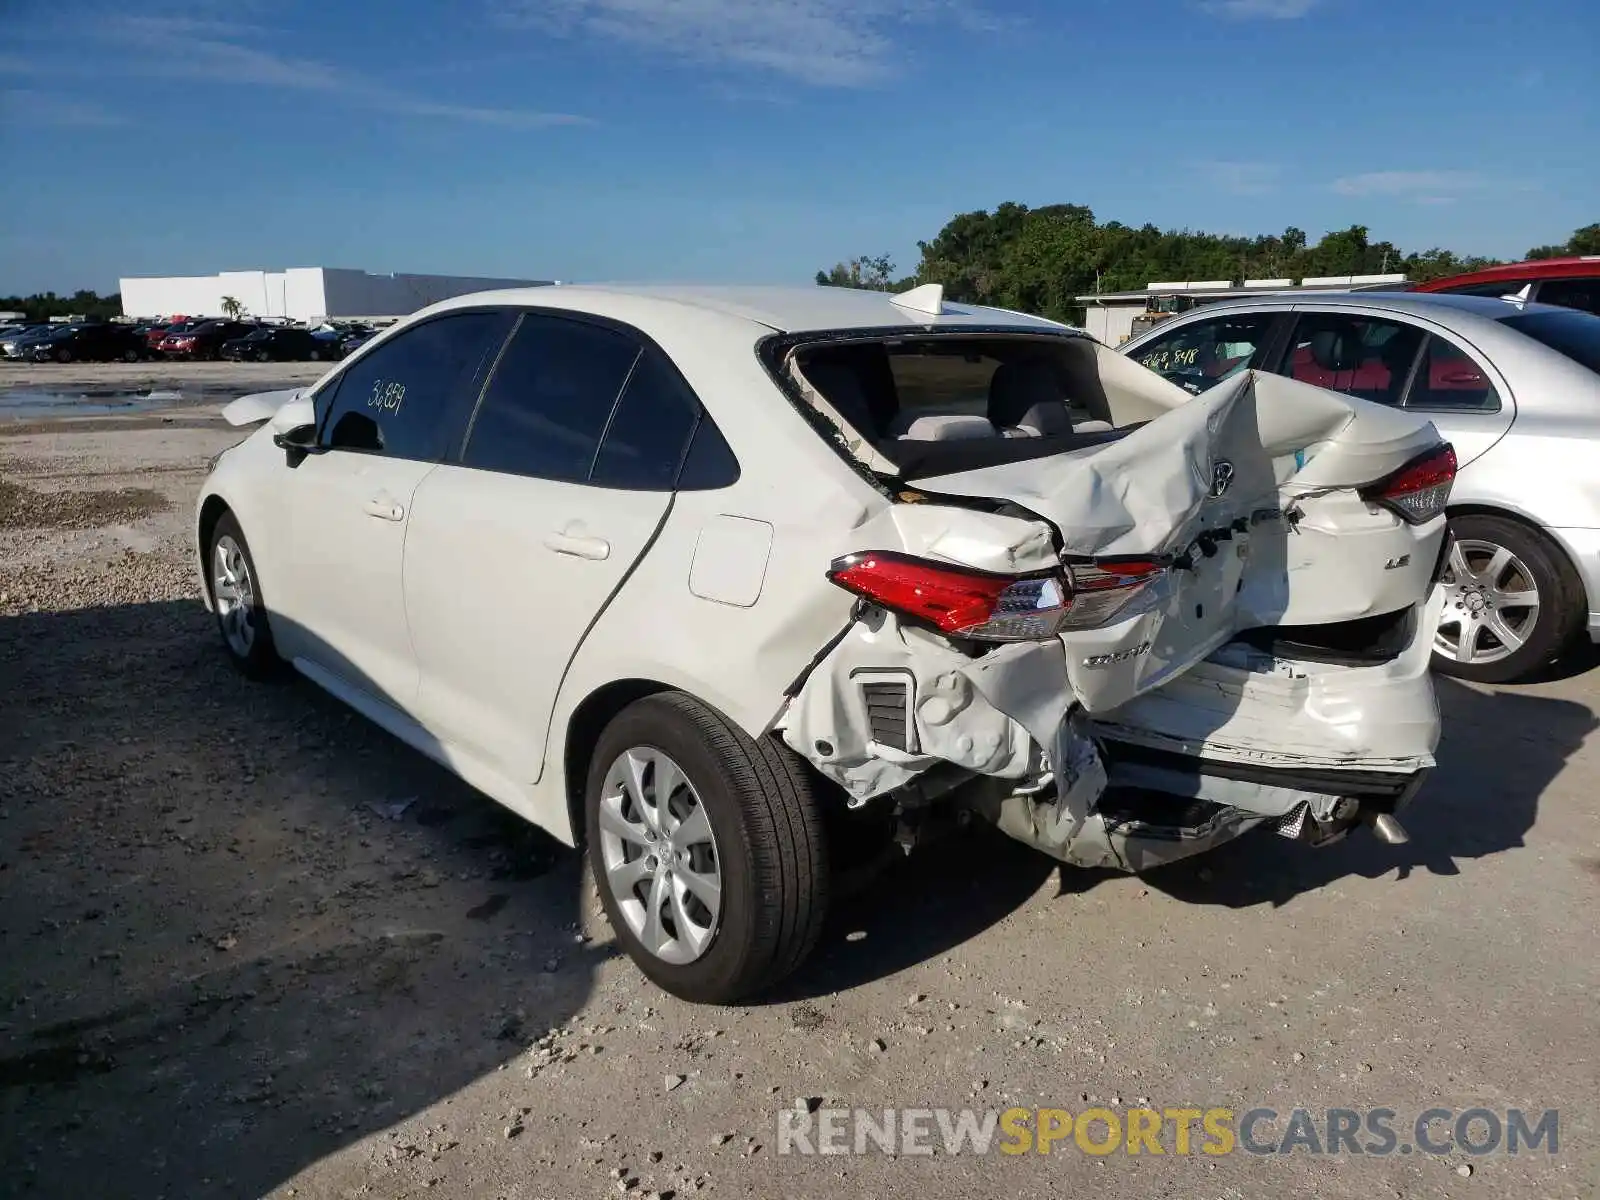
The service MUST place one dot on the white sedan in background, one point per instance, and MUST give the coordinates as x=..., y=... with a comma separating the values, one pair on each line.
x=697, y=576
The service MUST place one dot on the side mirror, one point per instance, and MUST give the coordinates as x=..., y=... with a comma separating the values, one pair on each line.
x=300, y=411
x=296, y=443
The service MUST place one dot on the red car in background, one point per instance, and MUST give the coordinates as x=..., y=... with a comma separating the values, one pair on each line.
x=154, y=335
x=1571, y=282
x=203, y=339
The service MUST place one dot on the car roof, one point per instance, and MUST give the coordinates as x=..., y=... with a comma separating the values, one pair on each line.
x=1446, y=308
x=1536, y=268
x=787, y=309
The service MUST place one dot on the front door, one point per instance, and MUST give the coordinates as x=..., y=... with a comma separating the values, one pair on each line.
x=384, y=423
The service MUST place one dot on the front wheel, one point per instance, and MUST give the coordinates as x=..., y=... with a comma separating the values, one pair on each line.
x=707, y=849
x=63, y=355
x=236, y=597
x=1512, y=601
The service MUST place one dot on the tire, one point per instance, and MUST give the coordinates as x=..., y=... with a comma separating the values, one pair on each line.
x=130, y=356
x=63, y=355
x=766, y=832
x=1500, y=551
x=263, y=356
x=254, y=655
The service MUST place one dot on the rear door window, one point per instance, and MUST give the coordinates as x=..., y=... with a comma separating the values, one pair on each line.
x=1572, y=333
x=550, y=399
x=1360, y=356
x=1199, y=355
x=401, y=400
x=1449, y=380
x=644, y=444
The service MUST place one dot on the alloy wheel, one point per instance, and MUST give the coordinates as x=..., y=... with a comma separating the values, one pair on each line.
x=1491, y=603
x=235, y=596
x=659, y=855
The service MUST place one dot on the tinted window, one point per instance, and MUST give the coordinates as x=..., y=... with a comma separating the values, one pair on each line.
x=1361, y=357
x=1582, y=294
x=397, y=400
x=1204, y=353
x=644, y=444
x=1495, y=288
x=1451, y=381
x=550, y=398
x=1575, y=334
x=710, y=462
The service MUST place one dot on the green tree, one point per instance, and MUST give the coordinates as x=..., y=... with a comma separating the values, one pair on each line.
x=41, y=306
x=231, y=308
x=1582, y=241
x=874, y=272
x=1041, y=259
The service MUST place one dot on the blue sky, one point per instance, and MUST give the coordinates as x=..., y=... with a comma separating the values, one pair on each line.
x=746, y=140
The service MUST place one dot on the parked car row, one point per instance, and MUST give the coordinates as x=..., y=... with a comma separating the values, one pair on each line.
x=186, y=338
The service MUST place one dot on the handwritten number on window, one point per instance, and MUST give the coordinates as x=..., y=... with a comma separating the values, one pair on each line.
x=387, y=397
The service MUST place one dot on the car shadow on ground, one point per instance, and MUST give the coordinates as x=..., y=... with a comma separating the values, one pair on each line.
x=1498, y=753
x=242, y=927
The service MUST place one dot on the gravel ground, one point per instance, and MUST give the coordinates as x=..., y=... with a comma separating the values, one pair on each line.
x=238, y=378
x=251, y=945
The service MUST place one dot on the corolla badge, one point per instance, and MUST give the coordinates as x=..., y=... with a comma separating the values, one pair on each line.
x=1221, y=477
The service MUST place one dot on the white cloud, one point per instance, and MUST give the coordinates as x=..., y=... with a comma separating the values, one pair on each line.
x=1269, y=10
x=1240, y=178
x=45, y=110
x=1422, y=187
x=827, y=43
x=185, y=48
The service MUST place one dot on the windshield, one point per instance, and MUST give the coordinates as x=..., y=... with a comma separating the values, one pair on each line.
x=1567, y=331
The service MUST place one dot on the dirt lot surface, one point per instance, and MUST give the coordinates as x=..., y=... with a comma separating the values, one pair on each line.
x=251, y=945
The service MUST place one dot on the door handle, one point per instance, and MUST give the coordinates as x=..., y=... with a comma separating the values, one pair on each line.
x=597, y=549
x=384, y=509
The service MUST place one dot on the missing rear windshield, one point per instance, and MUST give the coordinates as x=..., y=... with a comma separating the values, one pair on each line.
x=910, y=405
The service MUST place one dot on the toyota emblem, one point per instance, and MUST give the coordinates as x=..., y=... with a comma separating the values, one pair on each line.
x=1221, y=477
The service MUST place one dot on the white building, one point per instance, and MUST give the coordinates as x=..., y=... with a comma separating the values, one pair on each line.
x=1110, y=316
x=299, y=293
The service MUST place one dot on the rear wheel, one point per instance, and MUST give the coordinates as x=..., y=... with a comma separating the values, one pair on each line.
x=130, y=355
x=707, y=849
x=1512, y=601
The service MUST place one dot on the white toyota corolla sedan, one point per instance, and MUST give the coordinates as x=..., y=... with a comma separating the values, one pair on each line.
x=696, y=576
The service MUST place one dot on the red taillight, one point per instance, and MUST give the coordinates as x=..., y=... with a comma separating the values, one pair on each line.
x=1419, y=490
x=990, y=607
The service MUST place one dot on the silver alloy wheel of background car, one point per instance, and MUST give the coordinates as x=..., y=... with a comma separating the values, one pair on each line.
x=235, y=596
x=1491, y=602
x=660, y=855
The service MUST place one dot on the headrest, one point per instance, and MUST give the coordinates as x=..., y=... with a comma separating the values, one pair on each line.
x=1018, y=386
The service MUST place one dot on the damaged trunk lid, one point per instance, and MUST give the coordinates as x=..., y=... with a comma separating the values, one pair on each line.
x=1262, y=502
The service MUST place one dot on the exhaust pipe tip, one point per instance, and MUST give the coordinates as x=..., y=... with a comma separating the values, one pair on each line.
x=1387, y=828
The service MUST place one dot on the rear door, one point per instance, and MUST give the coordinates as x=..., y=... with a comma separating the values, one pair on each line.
x=384, y=423
x=1403, y=361
x=515, y=548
